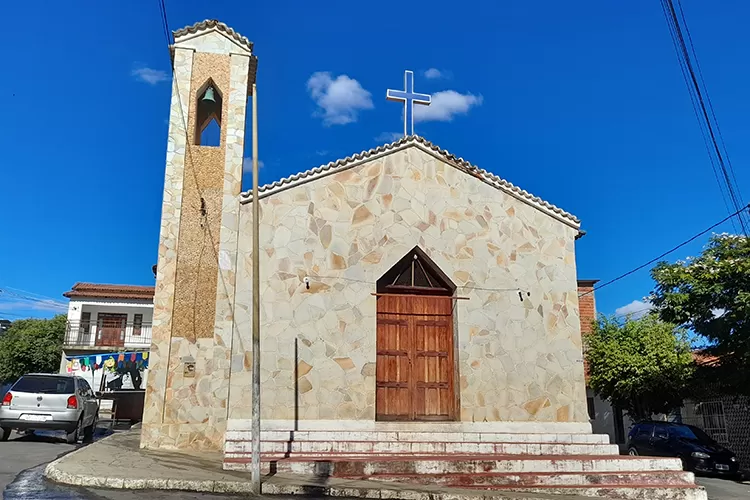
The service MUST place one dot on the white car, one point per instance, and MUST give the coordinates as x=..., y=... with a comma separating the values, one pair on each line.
x=54, y=402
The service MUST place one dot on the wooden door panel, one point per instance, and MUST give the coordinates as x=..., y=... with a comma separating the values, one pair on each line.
x=434, y=369
x=414, y=369
x=393, y=371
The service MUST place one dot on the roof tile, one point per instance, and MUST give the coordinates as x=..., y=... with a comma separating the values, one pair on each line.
x=488, y=177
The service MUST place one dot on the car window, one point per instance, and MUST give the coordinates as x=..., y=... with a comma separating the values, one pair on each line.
x=661, y=431
x=85, y=388
x=644, y=431
x=44, y=385
x=691, y=433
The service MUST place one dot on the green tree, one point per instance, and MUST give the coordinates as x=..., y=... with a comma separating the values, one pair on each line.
x=644, y=365
x=710, y=295
x=31, y=345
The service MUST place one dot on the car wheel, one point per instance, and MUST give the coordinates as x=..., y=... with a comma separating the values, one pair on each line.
x=632, y=451
x=72, y=437
x=88, y=432
x=4, y=434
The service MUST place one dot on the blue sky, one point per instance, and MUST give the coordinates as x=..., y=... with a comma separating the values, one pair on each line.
x=581, y=103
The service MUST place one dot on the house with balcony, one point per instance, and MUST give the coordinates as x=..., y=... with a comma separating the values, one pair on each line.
x=107, y=341
x=102, y=317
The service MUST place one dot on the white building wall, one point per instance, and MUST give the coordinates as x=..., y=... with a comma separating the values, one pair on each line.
x=604, y=421
x=98, y=306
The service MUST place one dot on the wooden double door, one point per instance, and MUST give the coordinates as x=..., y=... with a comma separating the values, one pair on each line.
x=415, y=367
x=111, y=329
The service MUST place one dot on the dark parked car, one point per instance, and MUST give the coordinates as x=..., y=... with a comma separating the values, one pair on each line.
x=698, y=451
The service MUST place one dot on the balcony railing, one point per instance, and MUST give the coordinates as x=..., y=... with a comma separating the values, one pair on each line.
x=108, y=333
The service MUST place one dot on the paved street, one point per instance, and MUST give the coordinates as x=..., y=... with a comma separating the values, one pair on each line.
x=23, y=458
x=24, y=452
x=724, y=489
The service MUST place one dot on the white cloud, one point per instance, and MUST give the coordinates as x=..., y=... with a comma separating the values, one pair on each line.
x=433, y=74
x=340, y=99
x=322, y=152
x=150, y=75
x=247, y=164
x=389, y=136
x=635, y=310
x=445, y=105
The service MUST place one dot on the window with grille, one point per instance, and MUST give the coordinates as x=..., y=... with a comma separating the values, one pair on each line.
x=714, y=421
x=137, y=323
x=85, y=326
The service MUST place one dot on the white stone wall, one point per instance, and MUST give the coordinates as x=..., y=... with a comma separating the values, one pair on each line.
x=518, y=360
x=156, y=388
x=212, y=42
x=235, y=143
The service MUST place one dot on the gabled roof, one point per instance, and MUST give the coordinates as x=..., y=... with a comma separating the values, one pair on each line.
x=107, y=291
x=425, y=145
x=213, y=24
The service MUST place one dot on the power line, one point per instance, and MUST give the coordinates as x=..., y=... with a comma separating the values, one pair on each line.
x=633, y=313
x=665, y=253
x=11, y=314
x=191, y=164
x=31, y=295
x=708, y=96
x=695, y=106
x=703, y=108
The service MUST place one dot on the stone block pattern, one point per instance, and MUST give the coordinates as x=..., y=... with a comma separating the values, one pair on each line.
x=517, y=360
x=195, y=408
x=211, y=42
x=168, y=240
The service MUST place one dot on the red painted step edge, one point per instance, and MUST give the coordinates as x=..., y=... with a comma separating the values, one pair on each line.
x=500, y=474
x=384, y=457
x=598, y=486
x=287, y=441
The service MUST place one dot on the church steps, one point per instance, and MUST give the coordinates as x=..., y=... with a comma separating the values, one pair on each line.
x=629, y=492
x=415, y=436
x=541, y=479
x=423, y=447
x=368, y=465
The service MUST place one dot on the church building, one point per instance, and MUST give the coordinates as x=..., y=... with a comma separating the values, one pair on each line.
x=404, y=291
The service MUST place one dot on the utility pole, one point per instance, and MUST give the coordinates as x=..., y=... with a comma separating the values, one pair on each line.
x=255, y=474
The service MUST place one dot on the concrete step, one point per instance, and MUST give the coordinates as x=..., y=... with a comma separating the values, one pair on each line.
x=539, y=479
x=368, y=465
x=633, y=492
x=420, y=447
x=420, y=436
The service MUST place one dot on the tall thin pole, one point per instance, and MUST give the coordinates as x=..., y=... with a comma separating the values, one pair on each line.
x=255, y=475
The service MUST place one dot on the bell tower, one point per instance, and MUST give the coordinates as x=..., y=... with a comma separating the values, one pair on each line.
x=188, y=381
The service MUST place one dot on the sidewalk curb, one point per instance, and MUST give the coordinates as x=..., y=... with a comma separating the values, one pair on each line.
x=380, y=491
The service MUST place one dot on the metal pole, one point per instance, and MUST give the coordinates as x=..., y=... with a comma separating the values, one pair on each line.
x=255, y=475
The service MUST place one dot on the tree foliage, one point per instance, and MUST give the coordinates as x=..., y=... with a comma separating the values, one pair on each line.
x=31, y=345
x=643, y=366
x=710, y=295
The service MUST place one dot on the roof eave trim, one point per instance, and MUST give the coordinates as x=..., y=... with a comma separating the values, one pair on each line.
x=347, y=163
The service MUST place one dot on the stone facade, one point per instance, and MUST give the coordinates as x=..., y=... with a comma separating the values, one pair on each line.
x=518, y=360
x=327, y=235
x=186, y=396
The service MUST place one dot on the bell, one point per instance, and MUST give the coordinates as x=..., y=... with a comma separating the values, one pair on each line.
x=208, y=96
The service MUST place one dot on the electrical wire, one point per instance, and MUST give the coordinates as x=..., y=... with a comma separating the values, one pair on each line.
x=465, y=287
x=11, y=314
x=699, y=96
x=165, y=25
x=18, y=293
x=692, y=238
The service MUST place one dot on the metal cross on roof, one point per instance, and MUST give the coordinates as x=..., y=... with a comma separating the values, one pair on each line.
x=409, y=98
